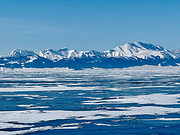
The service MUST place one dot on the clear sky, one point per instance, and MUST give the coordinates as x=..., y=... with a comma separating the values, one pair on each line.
x=87, y=24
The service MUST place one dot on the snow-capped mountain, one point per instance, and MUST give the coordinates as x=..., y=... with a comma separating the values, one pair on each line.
x=20, y=53
x=56, y=55
x=176, y=52
x=53, y=54
x=129, y=54
x=91, y=54
x=140, y=50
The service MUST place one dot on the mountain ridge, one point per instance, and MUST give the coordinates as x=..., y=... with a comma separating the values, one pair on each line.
x=129, y=54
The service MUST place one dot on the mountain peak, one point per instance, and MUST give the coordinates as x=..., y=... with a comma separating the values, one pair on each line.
x=145, y=46
x=140, y=50
x=136, y=50
x=129, y=54
x=20, y=53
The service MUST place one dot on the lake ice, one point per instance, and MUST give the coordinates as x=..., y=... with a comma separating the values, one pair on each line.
x=91, y=101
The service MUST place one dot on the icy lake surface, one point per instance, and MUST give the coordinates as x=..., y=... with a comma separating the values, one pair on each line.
x=90, y=101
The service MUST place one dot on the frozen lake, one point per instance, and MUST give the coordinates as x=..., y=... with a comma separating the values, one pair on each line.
x=91, y=101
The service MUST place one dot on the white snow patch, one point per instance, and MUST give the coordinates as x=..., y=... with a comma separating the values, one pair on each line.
x=34, y=116
x=102, y=124
x=167, y=119
x=159, y=99
x=39, y=88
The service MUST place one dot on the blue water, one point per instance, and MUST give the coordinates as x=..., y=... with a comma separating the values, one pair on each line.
x=106, y=90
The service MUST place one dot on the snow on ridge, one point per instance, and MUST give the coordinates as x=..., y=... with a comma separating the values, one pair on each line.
x=19, y=53
x=136, y=50
x=50, y=54
x=176, y=52
x=72, y=53
x=140, y=50
x=56, y=55
x=32, y=58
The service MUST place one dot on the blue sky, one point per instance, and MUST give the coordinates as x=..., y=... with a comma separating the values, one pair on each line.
x=87, y=24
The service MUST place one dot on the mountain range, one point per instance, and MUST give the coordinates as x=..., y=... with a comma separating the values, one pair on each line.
x=127, y=55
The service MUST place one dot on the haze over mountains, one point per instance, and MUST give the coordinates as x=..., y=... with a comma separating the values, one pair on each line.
x=127, y=55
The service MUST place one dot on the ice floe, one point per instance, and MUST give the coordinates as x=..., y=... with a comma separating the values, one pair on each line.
x=34, y=116
x=159, y=99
